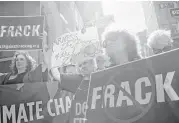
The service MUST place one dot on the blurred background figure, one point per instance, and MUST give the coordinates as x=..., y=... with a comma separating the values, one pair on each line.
x=160, y=41
x=22, y=64
x=121, y=46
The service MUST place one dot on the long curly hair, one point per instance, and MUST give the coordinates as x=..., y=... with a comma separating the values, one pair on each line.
x=133, y=46
x=31, y=63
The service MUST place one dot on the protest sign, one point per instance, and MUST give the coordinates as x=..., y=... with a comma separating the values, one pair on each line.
x=79, y=104
x=21, y=33
x=32, y=102
x=143, y=91
x=70, y=44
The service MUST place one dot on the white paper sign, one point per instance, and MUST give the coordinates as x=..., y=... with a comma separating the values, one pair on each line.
x=70, y=44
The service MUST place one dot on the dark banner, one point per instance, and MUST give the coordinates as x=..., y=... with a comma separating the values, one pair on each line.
x=21, y=33
x=33, y=103
x=144, y=91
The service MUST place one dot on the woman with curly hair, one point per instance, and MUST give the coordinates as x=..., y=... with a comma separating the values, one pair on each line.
x=22, y=63
x=121, y=46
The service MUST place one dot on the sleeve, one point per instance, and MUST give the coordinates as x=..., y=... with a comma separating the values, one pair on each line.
x=34, y=76
x=3, y=77
x=70, y=82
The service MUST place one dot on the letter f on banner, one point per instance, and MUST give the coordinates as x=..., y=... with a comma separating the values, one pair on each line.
x=160, y=87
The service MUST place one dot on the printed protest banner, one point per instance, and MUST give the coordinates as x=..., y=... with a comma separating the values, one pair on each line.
x=21, y=33
x=79, y=103
x=70, y=44
x=143, y=91
x=33, y=103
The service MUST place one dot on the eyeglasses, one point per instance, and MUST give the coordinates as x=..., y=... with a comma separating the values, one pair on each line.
x=165, y=49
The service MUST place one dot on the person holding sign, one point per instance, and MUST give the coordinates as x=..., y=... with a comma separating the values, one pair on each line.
x=121, y=46
x=160, y=41
x=86, y=64
x=77, y=83
x=22, y=63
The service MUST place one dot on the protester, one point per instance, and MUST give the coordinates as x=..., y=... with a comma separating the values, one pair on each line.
x=121, y=46
x=76, y=82
x=160, y=41
x=85, y=66
x=22, y=63
x=34, y=72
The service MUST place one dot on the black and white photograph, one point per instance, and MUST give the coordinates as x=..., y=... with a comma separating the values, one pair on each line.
x=108, y=61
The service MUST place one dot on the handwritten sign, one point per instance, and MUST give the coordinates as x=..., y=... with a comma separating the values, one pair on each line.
x=21, y=33
x=71, y=43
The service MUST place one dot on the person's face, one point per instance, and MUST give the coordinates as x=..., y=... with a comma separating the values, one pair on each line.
x=114, y=46
x=115, y=49
x=87, y=66
x=21, y=62
x=163, y=45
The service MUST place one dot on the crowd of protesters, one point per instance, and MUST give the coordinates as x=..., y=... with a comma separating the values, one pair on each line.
x=119, y=46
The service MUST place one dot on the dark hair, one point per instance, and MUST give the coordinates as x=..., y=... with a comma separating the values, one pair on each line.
x=31, y=63
x=132, y=42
